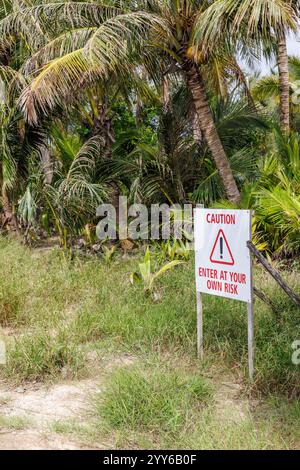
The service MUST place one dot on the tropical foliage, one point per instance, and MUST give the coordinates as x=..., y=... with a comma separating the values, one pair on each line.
x=152, y=99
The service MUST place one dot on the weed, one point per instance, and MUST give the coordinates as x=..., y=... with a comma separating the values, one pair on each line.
x=16, y=423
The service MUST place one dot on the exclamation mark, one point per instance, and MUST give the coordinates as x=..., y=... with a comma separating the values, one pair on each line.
x=221, y=247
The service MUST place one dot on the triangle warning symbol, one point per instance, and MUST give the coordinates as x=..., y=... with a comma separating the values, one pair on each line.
x=221, y=252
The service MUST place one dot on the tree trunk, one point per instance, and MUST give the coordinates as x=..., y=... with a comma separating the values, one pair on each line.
x=47, y=164
x=165, y=93
x=196, y=126
x=283, y=68
x=243, y=81
x=10, y=220
x=103, y=127
x=209, y=131
x=139, y=111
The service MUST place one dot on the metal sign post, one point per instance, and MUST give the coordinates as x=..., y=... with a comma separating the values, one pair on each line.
x=199, y=326
x=250, y=340
x=223, y=264
x=250, y=313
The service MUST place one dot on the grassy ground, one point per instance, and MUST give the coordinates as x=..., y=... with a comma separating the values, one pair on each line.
x=62, y=319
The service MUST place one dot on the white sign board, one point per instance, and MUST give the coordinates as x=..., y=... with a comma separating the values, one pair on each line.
x=223, y=260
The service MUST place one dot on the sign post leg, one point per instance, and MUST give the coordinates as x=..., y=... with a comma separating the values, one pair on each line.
x=199, y=326
x=250, y=340
x=250, y=313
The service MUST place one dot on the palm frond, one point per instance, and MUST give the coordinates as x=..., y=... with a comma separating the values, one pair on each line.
x=267, y=88
x=243, y=18
x=108, y=49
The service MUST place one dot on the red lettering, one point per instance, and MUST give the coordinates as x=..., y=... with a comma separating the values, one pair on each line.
x=227, y=219
x=214, y=285
x=209, y=273
x=238, y=278
x=231, y=289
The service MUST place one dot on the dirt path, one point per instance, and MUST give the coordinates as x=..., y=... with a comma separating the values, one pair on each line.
x=231, y=405
x=35, y=440
x=40, y=407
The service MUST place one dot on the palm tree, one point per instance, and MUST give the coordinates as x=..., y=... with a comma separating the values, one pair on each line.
x=255, y=21
x=266, y=91
x=283, y=68
x=86, y=42
x=175, y=168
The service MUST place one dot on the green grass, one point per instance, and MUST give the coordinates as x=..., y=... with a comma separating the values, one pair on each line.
x=59, y=311
x=71, y=426
x=39, y=356
x=211, y=434
x=68, y=307
x=15, y=423
x=155, y=400
x=151, y=407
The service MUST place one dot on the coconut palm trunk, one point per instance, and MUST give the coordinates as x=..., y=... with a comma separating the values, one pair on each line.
x=47, y=165
x=241, y=77
x=283, y=68
x=196, y=127
x=165, y=93
x=10, y=220
x=209, y=131
x=103, y=127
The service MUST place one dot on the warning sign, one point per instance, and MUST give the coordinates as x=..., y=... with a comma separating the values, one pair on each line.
x=221, y=252
x=223, y=261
